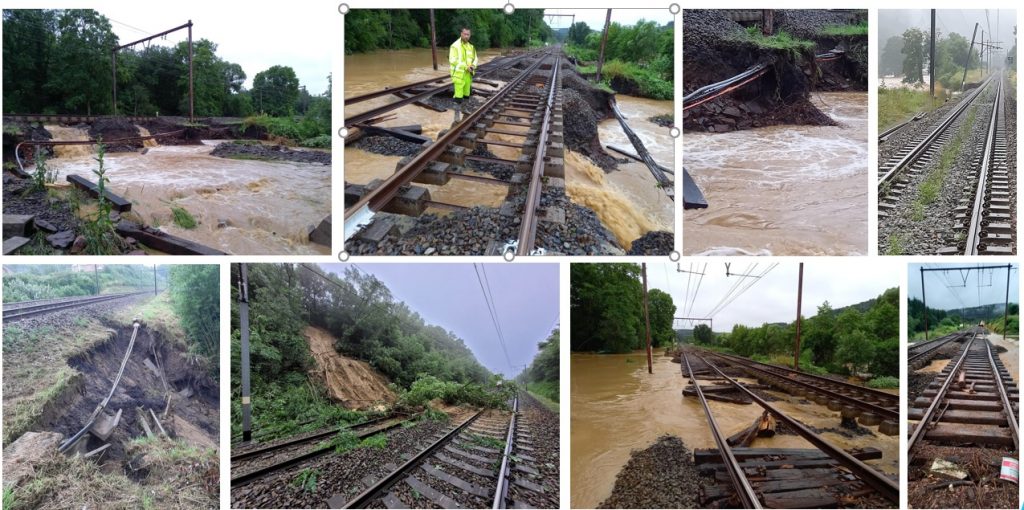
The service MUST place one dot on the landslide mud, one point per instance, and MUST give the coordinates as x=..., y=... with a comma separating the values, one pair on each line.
x=352, y=382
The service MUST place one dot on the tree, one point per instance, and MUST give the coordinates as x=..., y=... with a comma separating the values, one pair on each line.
x=606, y=308
x=914, y=55
x=276, y=91
x=195, y=295
x=891, y=59
x=854, y=350
x=79, y=74
x=662, y=311
x=702, y=334
x=577, y=33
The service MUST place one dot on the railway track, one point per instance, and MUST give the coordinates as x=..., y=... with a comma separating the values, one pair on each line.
x=920, y=354
x=869, y=406
x=984, y=215
x=256, y=463
x=785, y=478
x=972, y=402
x=17, y=311
x=475, y=465
x=527, y=109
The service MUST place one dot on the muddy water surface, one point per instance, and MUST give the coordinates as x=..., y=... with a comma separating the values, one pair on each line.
x=268, y=207
x=617, y=407
x=783, y=190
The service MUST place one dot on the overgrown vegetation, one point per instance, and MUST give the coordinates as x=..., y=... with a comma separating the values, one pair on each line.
x=306, y=479
x=944, y=322
x=30, y=282
x=395, y=29
x=606, y=304
x=425, y=362
x=848, y=30
x=884, y=383
x=896, y=105
x=100, y=236
x=182, y=217
x=907, y=55
x=641, y=54
x=860, y=339
x=195, y=295
x=780, y=40
x=541, y=377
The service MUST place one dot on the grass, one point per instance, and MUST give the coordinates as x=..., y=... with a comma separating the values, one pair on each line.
x=857, y=30
x=342, y=442
x=306, y=480
x=884, y=382
x=896, y=105
x=781, y=40
x=931, y=186
x=183, y=218
x=546, y=402
x=996, y=325
x=486, y=442
x=649, y=82
x=378, y=441
x=897, y=244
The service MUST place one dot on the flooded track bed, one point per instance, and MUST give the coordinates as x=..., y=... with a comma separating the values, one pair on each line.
x=771, y=191
x=242, y=206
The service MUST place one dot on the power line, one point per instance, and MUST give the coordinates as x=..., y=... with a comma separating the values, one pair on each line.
x=699, y=280
x=494, y=317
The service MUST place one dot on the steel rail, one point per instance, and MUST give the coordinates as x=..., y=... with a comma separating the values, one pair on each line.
x=501, y=492
x=21, y=166
x=1011, y=416
x=932, y=137
x=881, y=395
x=718, y=89
x=745, y=491
x=926, y=419
x=103, y=404
x=933, y=345
x=375, y=112
x=364, y=498
x=34, y=310
x=19, y=305
x=977, y=216
x=528, y=227
x=291, y=461
x=885, y=134
x=313, y=437
x=377, y=198
x=887, y=488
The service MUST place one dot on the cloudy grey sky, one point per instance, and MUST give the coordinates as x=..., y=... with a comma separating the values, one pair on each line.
x=773, y=297
x=449, y=296
x=947, y=290
x=252, y=35
x=961, y=21
x=594, y=18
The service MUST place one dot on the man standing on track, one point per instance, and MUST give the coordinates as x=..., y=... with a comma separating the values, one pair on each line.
x=463, y=61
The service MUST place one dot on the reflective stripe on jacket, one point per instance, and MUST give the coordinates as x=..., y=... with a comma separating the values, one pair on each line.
x=461, y=57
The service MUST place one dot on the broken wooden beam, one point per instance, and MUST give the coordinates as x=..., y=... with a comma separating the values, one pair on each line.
x=119, y=204
x=142, y=419
x=158, y=424
x=13, y=244
x=394, y=132
x=167, y=243
x=18, y=225
x=97, y=451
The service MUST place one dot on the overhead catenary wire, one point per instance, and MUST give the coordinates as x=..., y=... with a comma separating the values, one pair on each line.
x=699, y=280
x=494, y=317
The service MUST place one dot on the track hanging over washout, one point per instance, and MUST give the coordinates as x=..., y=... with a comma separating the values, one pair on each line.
x=716, y=48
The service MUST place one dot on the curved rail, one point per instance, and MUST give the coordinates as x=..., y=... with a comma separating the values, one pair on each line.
x=886, y=487
x=715, y=90
x=103, y=405
x=23, y=312
x=745, y=491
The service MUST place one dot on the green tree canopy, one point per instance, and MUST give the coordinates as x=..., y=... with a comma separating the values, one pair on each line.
x=275, y=91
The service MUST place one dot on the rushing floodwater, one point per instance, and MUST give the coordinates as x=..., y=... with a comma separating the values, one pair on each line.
x=626, y=201
x=783, y=190
x=268, y=207
x=617, y=407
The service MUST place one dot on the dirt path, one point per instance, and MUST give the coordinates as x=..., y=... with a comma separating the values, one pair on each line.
x=352, y=382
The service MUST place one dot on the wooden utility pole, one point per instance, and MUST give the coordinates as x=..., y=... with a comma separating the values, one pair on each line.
x=243, y=319
x=433, y=39
x=647, y=315
x=1006, y=304
x=931, y=60
x=924, y=301
x=191, y=88
x=767, y=21
x=799, y=302
x=604, y=40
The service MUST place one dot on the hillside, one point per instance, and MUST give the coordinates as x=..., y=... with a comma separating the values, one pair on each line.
x=353, y=383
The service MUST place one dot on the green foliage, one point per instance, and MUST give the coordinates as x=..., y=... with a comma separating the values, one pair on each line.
x=543, y=373
x=891, y=58
x=606, y=307
x=428, y=388
x=378, y=441
x=780, y=40
x=896, y=105
x=306, y=479
x=641, y=54
x=195, y=296
x=182, y=217
x=702, y=334
x=307, y=131
x=486, y=441
x=342, y=442
x=915, y=55
x=855, y=350
x=884, y=382
x=392, y=29
x=435, y=415
x=317, y=142
x=100, y=237
x=578, y=33
x=546, y=389
x=854, y=30
x=42, y=175
x=9, y=499
x=275, y=91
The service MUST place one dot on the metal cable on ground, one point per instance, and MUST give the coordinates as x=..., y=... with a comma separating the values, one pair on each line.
x=99, y=408
x=21, y=166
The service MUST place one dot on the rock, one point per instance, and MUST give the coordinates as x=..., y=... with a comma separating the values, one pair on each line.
x=430, y=251
x=722, y=128
x=78, y=246
x=61, y=240
x=45, y=226
x=223, y=223
x=131, y=241
x=732, y=111
x=26, y=452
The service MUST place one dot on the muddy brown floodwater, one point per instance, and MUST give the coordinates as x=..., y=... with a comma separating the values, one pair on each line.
x=783, y=190
x=268, y=207
x=627, y=200
x=617, y=407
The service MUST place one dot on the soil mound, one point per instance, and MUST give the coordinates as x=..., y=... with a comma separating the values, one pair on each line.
x=269, y=153
x=111, y=130
x=352, y=382
x=661, y=476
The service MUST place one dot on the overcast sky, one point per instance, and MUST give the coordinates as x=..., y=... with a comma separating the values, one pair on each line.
x=254, y=36
x=449, y=296
x=961, y=21
x=594, y=18
x=773, y=297
x=947, y=290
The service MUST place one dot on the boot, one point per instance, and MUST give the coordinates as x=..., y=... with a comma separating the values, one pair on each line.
x=458, y=113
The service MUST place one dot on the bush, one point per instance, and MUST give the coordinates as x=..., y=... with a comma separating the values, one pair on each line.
x=195, y=295
x=317, y=142
x=428, y=388
x=884, y=382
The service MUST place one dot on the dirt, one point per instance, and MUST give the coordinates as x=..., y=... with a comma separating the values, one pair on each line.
x=583, y=107
x=141, y=387
x=353, y=383
x=714, y=48
x=983, y=488
x=27, y=451
x=113, y=130
x=269, y=153
x=660, y=476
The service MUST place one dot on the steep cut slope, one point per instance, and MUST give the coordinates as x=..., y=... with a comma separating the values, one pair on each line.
x=352, y=382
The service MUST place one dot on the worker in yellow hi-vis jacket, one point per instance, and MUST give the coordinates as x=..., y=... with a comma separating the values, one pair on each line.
x=463, y=61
